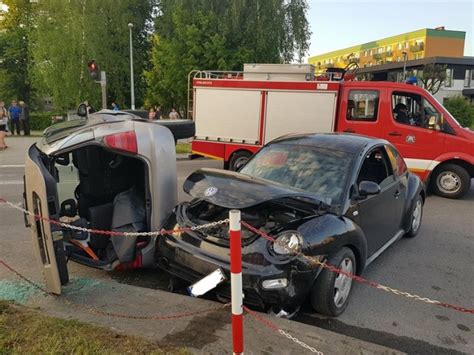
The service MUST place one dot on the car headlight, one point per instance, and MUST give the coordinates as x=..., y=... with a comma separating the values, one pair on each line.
x=288, y=242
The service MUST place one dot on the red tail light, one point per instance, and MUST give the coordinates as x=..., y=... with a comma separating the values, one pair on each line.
x=126, y=141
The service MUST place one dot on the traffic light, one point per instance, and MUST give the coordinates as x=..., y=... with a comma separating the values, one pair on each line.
x=93, y=68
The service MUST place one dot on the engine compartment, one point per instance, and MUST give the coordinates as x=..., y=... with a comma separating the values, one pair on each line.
x=270, y=217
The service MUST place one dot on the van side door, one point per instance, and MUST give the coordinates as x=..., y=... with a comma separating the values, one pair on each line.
x=410, y=130
x=359, y=111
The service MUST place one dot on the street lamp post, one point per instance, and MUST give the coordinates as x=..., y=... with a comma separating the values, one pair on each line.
x=132, y=85
x=405, y=56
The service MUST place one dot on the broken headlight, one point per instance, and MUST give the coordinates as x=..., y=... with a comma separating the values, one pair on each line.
x=288, y=242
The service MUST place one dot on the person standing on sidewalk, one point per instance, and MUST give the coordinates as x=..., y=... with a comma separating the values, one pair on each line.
x=25, y=118
x=3, y=125
x=14, y=112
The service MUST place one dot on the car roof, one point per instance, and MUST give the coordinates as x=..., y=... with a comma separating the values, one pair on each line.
x=349, y=143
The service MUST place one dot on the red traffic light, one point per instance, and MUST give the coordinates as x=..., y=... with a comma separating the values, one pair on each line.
x=93, y=68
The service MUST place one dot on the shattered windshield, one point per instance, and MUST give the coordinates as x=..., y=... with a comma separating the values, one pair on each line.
x=317, y=170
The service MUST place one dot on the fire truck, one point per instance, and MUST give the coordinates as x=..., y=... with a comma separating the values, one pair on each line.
x=237, y=113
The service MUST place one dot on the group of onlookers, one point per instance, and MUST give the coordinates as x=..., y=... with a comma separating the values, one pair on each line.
x=13, y=119
x=155, y=113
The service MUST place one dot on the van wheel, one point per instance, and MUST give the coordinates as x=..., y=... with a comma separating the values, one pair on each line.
x=239, y=159
x=451, y=181
x=331, y=291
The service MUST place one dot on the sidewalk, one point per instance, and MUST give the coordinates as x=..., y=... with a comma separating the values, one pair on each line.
x=208, y=332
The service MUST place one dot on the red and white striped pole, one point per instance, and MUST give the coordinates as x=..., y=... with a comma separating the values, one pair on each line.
x=236, y=282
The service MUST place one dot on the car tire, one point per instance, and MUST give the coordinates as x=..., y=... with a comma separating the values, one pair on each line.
x=238, y=159
x=451, y=181
x=416, y=217
x=331, y=291
x=181, y=129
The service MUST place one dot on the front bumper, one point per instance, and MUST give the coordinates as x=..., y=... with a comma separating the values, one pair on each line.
x=191, y=258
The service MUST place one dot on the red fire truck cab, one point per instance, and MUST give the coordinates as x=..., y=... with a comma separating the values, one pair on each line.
x=235, y=115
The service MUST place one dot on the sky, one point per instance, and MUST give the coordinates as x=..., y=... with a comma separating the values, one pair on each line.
x=337, y=24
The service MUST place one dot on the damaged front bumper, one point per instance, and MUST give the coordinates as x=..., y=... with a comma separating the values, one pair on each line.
x=267, y=281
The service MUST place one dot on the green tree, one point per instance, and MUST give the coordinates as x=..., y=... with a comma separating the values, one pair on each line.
x=432, y=77
x=461, y=109
x=221, y=35
x=15, y=27
x=68, y=34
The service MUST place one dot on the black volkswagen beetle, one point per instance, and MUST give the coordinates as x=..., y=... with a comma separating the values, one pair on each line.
x=342, y=199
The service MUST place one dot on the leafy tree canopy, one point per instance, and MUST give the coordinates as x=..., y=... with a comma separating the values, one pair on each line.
x=221, y=35
x=14, y=58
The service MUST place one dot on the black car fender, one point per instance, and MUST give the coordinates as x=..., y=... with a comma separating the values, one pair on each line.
x=327, y=234
x=414, y=188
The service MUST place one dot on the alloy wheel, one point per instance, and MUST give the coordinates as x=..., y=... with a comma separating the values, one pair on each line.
x=343, y=283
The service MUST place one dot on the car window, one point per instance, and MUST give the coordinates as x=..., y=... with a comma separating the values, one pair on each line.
x=313, y=169
x=412, y=109
x=362, y=105
x=376, y=168
x=398, y=164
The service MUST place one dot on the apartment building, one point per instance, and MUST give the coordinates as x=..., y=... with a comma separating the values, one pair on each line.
x=424, y=43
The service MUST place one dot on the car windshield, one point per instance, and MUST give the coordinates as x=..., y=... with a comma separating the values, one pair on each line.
x=313, y=169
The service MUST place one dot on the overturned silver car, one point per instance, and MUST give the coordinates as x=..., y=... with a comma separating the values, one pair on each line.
x=112, y=171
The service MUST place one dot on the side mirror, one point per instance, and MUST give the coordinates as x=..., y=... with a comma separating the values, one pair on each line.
x=82, y=110
x=435, y=121
x=368, y=188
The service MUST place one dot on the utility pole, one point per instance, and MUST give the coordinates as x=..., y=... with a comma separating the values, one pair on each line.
x=132, y=84
x=405, y=56
x=103, y=86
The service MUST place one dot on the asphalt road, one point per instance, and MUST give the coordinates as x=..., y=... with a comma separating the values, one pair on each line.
x=436, y=264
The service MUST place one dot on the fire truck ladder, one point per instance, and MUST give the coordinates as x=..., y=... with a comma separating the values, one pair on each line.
x=206, y=74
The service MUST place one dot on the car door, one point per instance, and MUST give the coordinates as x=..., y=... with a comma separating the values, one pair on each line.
x=359, y=111
x=41, y=200
x=380, y=214
x=409, y=130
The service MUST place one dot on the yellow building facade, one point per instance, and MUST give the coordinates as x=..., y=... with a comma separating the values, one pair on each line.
x=418, y=44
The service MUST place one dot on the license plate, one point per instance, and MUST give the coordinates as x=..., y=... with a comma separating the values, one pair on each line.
x=207, y=283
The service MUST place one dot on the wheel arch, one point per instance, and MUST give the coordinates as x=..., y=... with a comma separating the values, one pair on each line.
x=326, y=234
x=458, y=161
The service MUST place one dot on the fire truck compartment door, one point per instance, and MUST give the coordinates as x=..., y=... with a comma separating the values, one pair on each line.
x=225, y=114
x=299, y=112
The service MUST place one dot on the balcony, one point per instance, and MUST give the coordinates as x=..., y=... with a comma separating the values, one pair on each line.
x=380, y=56
x=417, y=47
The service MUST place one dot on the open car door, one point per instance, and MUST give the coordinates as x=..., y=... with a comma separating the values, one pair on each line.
x=40, y=199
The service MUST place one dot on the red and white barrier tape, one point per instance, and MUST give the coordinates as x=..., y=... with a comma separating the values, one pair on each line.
x=363, y=280
x=262, y=234
x=113, y=233
x=280, y=331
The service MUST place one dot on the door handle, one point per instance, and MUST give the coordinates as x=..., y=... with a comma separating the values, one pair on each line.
x=349, y=130
x=395, y=133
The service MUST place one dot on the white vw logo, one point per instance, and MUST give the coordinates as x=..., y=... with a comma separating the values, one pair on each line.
x=210, y=191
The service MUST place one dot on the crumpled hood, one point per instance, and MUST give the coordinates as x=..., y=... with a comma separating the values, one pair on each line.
x=234, y=190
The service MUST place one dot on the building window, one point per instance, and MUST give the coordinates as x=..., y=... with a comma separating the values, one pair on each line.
x=400, y=46
x=380, y=50
x=399, y=59
x=407, y=45
x=365, y=53
x=467, y=78
x=362, y=105
x=449, y=78
x=388, y=49
x=370, y=52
